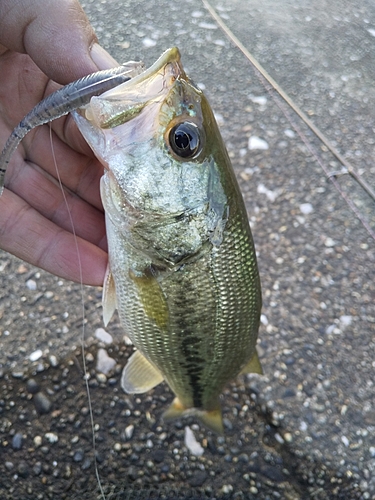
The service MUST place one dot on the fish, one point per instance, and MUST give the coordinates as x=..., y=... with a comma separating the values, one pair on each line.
x=182, y=268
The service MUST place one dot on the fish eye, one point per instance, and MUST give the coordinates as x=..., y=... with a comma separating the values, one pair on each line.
x=185, y=140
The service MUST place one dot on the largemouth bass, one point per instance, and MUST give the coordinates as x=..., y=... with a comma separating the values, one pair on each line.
x=182, y=266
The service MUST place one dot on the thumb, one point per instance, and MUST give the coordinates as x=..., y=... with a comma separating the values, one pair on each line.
x=56, y=34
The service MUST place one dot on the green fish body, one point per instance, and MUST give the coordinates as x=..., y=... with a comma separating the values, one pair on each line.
x=182, y=265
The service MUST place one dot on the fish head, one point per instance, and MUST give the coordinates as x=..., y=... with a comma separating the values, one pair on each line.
x=158, y=139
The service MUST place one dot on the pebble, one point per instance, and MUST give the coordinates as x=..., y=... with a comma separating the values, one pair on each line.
x=345, y=440
x=78, y=456
x=345, y=320
x=37, y=441
x=101, y=378
x=271, y=195
x=148, y=42
x=261, y=99
x=32, y=386
x=86, y=463
x=31, y=284
x=34, y=356
x=192, y=444
x=289, y=133
x=42, y=403
x=103, y=336
x=17, y=441
x=288, y=437
x=37, y=469
x=226, y=489
x=104, y=363
x=306, y=208
x=129, y=431
x=329, y=242
x=257, y=143
x=51, y=437
x=23, y=470
x=53, y=361
x=198, y=478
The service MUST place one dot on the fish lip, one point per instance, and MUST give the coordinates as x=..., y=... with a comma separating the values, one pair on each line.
x=171, y=58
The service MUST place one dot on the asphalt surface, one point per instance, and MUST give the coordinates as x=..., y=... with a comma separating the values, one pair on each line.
x=307, y=428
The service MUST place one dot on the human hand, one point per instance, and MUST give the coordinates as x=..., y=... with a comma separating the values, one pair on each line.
x=38, y=40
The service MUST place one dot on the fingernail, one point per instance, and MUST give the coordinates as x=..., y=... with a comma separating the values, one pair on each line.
x=101, y=58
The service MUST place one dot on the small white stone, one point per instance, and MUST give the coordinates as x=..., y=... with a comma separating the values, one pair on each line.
x=303, y=426
x=330, y=329
x=192, y=444
x=289, y=133
x=34, y=356
x=306, y=208
x=207, y=26
x=148, y=42
x=226, y=489
x=103, y=336
x=329, y=242
x=37, y=441
x=104, y=363
x=53, y=360
x=279, y=438
x=264, y=319
x=271, y=195
x=288, y=437
x=371, y=31
x=127, y=341
x=258, y=99
x=129, y=431
x=372, y=448
x=257, y=143
x=345, y=440
x=101, y=378
x=51, y=437
x=31, y=284
x=346, y=320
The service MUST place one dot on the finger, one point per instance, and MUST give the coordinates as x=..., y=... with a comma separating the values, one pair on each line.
x=50, y=32
x=33, y=238
x=80, y=173
x=44, y=193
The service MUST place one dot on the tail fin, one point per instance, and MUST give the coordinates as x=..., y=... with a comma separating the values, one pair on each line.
x=212, y=419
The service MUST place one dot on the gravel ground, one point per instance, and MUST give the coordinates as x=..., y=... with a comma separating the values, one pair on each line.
x=307, y=428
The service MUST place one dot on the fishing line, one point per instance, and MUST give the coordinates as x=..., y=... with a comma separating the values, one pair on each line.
x=86, y=377
x=272, y=86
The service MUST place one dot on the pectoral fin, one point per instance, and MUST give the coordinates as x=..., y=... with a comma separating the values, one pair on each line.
x=109, y=302
x=253, y=366
x=139, y=375
x=152, y=297
x=212, y=419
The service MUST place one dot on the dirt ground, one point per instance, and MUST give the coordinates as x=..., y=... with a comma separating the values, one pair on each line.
x=306, y=429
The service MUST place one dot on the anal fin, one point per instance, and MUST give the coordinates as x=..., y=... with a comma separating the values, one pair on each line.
x=253, y=366
x=139, y=375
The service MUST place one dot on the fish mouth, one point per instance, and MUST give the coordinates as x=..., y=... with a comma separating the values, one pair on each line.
x=121, y=104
